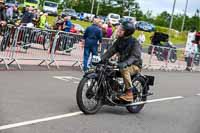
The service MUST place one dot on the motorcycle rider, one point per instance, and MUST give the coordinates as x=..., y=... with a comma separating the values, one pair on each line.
x=129, y=52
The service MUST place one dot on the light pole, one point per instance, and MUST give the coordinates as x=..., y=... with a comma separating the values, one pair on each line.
x=97, y=12
x=172, y=15
x=186, y=5
x=198, y=19
x=92, y=6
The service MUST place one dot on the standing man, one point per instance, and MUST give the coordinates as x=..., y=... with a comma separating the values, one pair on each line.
x=141, y=38
x=190, y=38
x=67, y=24
x=92, y=35
x=9, y=12
x=43, y=20
x=191, y=50
x=2, y=13
x=27, y=18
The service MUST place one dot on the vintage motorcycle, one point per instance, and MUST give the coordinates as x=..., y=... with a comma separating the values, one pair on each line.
x=102, y=86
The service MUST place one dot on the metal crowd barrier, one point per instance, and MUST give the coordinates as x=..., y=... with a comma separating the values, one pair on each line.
x=50, y=46
x=46, y=46
x=72, y=48
x=165, y=58
x=158, y=57
x=66, y=48
x=7, y=43
x=33, y=44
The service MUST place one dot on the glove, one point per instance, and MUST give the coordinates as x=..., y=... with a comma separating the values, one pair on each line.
x=122, y=65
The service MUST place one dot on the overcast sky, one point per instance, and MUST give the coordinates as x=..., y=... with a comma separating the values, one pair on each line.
x=157, y=6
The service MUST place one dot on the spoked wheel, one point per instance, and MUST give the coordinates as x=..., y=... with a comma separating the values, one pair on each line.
x=86, y=96
x=141, y=96
x=159, y=54
x=173, y=57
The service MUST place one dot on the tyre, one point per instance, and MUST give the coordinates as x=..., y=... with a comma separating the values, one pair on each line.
x=150, y=50
x=139, y=84
x=159, y=54
x=197, y=59
x=173, y=57
x=86, y=96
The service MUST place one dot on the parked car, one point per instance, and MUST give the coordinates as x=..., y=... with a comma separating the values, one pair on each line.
x=87, y=16
x=69, y=12
x=128, y=18
x=145, y=26
x=79, y=28
x=51, y=8
x=11, y=2
x=113, y=18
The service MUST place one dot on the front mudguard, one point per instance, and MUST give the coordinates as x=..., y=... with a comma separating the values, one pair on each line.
x=91, y=75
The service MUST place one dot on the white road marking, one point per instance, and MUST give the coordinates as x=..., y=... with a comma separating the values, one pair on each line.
x=4, y=127
x=57, y=77
x=198, y=94
x=67, y=78
x=38, y=121
x=159, y=100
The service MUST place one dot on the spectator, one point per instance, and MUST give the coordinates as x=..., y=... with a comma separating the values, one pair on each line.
x=191, y=50
x=81, y=16
x=35, y=14
x=191, y=36
x=67, y=24
x=109, y=31
x=91, y=36
x=114, y=35
x=25, y=9
x=9, y=12
x=3, y=18
x=73, y=29
x=15, y=13
x=27, y=18
x=103, y=28
x=59, y=23
x=43, y=20
x=36, y=17
x=141, y=38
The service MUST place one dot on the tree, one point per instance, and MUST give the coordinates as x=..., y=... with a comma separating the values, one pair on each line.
x=128, y=7
x=163, y=19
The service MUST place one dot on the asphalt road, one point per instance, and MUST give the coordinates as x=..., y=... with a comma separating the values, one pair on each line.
x=32, y=95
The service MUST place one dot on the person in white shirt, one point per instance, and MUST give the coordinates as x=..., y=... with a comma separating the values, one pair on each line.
x=190, y=52
x=190, y=37
x=141, y=38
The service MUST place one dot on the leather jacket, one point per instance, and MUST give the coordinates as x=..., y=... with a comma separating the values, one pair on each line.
x=129, y=51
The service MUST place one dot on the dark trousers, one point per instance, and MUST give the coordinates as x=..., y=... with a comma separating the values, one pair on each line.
x=189, y=61
x=91, y=49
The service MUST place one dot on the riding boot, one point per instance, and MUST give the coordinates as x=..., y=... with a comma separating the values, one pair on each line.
x=128, y=96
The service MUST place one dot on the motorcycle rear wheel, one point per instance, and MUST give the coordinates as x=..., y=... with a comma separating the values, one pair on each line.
x=139, y=83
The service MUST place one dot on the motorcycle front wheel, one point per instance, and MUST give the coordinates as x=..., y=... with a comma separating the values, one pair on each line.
x=87, y=96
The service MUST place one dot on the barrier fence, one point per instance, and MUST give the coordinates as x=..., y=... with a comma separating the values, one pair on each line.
x=50, y=47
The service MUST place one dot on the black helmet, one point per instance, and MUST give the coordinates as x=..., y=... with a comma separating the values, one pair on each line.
x=129, y=28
